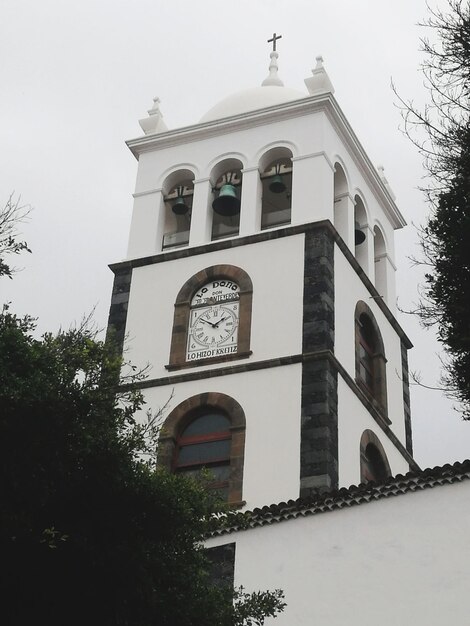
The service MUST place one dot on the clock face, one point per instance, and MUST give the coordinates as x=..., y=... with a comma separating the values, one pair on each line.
x=213, y=321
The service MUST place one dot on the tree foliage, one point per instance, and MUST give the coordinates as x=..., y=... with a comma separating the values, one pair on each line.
x=442, y=133
x=89, y=531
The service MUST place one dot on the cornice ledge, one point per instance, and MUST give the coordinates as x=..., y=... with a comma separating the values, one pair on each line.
x=195, y=132
x=314, y=155
x=295, y=108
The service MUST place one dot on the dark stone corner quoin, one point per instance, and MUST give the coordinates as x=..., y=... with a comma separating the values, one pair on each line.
x=319, y=402
x=118, y=308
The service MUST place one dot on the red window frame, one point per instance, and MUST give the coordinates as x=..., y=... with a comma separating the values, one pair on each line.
x=222, y=435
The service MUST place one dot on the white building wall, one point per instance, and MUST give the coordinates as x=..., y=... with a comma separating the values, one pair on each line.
x=349, y=289
x=353, y=420
x=276, y=270
x=400, y=561
x=270, y=400
x=146, y=225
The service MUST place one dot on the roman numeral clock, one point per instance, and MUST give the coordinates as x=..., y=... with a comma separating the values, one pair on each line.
x=213, y=321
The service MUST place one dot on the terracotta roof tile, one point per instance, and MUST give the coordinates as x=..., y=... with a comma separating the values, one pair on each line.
x=344, y=497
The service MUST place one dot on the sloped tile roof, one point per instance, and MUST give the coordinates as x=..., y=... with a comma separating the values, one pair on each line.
x=345, y=497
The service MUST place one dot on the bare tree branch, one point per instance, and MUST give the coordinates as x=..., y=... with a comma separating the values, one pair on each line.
x=12, y=214
x=441, y=132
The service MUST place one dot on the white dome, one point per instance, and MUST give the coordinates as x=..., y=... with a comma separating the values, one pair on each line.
x=250, y=100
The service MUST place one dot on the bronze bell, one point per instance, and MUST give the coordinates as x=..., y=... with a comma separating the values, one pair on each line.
x=277, y=184
x=180, y=207
x=227, y=203
x=359, y=236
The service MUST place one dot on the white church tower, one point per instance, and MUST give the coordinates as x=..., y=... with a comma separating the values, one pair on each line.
x=259, y=286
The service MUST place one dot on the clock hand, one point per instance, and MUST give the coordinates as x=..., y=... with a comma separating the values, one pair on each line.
x=216, y=325
x=207, y=322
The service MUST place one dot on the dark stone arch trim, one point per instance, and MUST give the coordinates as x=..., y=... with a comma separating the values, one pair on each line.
x=211, y=273
x=369, y=437
x=182, y=310
x=180, y=417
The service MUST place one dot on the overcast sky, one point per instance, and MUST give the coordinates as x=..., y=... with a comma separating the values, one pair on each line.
x=76, y=77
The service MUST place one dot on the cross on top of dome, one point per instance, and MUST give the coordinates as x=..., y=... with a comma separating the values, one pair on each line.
x=273, y=79
x=273, y=40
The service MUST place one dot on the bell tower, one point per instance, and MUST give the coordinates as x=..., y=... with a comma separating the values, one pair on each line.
x=259, y=287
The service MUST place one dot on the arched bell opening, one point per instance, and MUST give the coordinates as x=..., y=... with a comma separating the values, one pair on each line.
x=226, y=199
x=178, y=191
x=276, y=182
x=341, y=203
x=360, y=233
x=380, y=263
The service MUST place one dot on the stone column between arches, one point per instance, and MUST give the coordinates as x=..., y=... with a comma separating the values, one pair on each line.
x=250, y=210
x=201, y=220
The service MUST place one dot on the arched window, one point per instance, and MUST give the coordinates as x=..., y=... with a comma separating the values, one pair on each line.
x=205, y=444
x=212, y=320
x=206, y=431
x=374, y=462
x=370, y=358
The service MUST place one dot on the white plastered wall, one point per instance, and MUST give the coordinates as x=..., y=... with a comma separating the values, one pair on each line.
x=353, y=420
x=270, y=399
x=349, y=289
x=276, y=270
x=395, y=562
